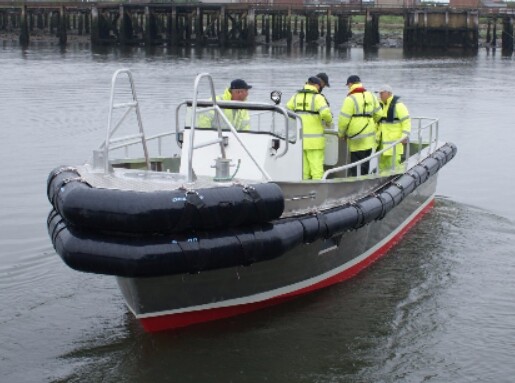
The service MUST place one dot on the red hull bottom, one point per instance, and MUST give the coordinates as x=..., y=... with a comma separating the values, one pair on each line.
x=172, y=321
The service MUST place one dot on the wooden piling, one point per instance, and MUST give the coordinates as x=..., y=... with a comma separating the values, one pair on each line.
x=31, y=22
x=199, y=26
x=171, y=30
x=125, y=27
x=507, y=36
x=312, y=28
x=222, y=40
x=274, y=27
x=24, y=28
x=87, y=23
x=62, y=26
x=80, y=25
x=95, y=29
x=343, y=30
x=472, y=31
x=267, y=30
x=289, y=34
x=494, y=34
x=328, y=37
x=488, y=35
x=371, y=38
x=40, y=22
x=302, y=35
x=148, y=27
x=251, y=28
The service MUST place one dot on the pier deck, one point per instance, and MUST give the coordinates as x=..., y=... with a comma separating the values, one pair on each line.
x=241, y=24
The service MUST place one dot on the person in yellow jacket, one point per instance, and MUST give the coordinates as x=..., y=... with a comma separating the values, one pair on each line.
x=239, y=118
x=357, y=122
x=314, y=112
x=394, y=123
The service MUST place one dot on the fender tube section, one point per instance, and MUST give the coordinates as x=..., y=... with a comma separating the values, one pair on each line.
x=419, y=174
x=148, y=255
x=372, y=208
x=161, y=212
x=170, y=254
x=341, y=220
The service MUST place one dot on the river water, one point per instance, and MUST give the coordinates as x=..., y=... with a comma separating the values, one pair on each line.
x=438, y=308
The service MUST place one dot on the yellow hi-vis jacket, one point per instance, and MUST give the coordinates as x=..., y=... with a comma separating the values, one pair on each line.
x=239, y=118
x=357, y=119
x=394, y=123
x=312, y=108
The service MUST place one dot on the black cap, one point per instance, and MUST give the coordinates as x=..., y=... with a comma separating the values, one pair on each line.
x=314, y=80
x=325, y=78
x=239, y=84
x=353, y=79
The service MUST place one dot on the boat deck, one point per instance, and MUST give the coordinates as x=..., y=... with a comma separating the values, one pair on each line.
x=148, y=181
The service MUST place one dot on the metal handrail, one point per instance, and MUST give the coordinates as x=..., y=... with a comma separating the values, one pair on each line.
x=427, y=125
x=217, y=107
x=364, y=160
x=107, y=144
x=159, y=137
x=433, y=127
x=208, y=105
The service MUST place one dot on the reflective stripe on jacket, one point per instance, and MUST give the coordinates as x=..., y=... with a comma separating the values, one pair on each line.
x=357, y=118
x=312, y=108
x=393, y=127
x=239, y=118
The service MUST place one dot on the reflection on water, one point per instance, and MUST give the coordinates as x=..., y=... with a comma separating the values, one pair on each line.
x=437, y=308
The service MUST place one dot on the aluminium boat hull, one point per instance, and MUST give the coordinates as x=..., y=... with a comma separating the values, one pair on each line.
x=176, y=301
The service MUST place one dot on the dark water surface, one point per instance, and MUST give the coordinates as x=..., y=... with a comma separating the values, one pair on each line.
x=439, y=308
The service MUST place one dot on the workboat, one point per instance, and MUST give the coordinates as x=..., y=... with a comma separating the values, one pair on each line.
x=226, y=224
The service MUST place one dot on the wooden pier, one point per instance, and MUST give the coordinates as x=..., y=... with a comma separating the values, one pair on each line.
x=246, y=24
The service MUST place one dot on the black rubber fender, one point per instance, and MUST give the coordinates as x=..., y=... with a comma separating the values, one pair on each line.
x=371, y=207
x=344, y=219
x=406, y=183
x=131, y=256
x=310, y=228
x=395, y=194
x=422, y=173
x=417, y=177
x=150, y=254
x=432, y=166
x=162, y=212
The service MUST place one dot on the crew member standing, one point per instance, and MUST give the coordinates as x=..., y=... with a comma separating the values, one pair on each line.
x=314, y=112
x=239, y=118
x=357, y=122
x=394, y=123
